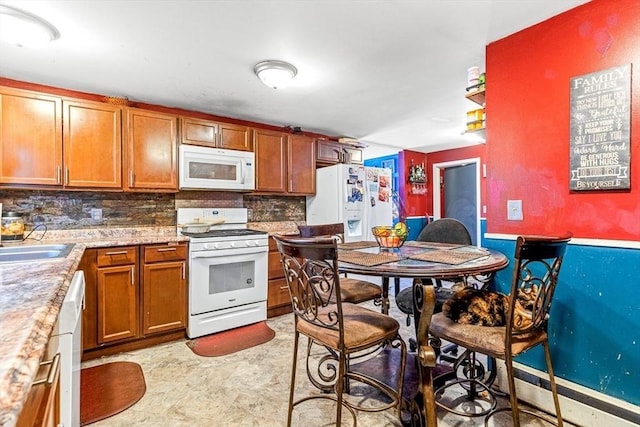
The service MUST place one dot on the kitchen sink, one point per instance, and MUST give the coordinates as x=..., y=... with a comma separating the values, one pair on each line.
x=34, y=252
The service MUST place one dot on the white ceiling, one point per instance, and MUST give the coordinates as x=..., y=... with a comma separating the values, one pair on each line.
x=391, y=73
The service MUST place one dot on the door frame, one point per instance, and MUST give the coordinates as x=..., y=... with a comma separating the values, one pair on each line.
x=437, y=202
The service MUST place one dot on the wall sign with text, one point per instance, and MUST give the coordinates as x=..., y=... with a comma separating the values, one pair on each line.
x=600, y=130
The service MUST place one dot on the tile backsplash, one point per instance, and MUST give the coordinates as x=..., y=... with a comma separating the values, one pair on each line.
x=72, y=210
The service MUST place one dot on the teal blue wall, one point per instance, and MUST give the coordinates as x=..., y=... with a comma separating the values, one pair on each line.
x=384, y=161
x=594, y=328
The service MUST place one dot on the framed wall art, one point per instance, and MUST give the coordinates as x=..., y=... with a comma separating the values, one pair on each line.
x=600, y=129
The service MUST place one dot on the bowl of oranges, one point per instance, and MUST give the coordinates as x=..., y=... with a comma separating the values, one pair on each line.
x=390, y=237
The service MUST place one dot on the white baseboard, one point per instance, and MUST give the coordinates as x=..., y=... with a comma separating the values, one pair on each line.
x=580, y=413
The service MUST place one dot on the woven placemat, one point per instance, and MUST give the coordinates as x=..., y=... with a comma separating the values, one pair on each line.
x=356, y=245
x=368, y=260
x=433, y=245
x=453, y=256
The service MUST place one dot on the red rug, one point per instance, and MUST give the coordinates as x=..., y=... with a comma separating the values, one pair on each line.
x=108, y=389
x=233, y=340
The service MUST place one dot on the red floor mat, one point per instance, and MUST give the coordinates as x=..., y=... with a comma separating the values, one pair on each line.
x=233, y=340
x=108, y=389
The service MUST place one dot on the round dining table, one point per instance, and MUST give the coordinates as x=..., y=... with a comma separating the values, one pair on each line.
x=426, y=261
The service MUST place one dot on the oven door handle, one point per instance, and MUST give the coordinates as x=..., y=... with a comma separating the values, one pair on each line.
x=226, y=252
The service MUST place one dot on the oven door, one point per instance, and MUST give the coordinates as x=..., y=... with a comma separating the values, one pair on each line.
x=226, y=278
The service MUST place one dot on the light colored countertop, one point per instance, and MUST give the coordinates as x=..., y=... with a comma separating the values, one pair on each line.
x=31, y=294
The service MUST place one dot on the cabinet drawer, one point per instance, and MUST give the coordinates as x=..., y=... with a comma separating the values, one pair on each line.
x=168, y=252
x=117, y=256
x=278, y=293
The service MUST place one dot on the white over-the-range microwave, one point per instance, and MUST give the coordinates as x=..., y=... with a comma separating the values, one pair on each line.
x=208, y=168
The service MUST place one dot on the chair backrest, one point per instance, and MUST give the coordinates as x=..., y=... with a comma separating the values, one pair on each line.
x=445, y=230
x=336, y=230
x=311, y=271
x=535, y=276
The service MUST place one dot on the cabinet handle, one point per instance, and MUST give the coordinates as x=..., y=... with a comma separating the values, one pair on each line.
x=131, y=179
x=66, y=176
x=53, y=370
x=166, y=249
x=59, y=175
x=133, y=282
x=184, y=271
x=284, y=287
x=117, y=253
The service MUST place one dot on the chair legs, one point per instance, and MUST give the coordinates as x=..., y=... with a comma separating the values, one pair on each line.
x=294, y=364
x=335, y=386
x=513, y=398
x=552, y=380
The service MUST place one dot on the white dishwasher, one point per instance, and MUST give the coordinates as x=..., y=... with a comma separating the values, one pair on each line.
x=69, y=335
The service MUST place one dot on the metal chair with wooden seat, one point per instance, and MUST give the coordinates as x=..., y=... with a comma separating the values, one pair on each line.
x=533, y=284
x=311, y=271
x=352, y=290
x=444, y=230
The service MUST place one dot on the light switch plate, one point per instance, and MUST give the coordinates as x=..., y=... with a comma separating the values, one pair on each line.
x=514, y=210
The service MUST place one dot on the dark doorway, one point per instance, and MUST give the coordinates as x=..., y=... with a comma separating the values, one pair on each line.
x=460, y=197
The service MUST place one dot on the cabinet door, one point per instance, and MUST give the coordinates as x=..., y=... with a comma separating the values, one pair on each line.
x=30, y=138
x=328, y=152
x=235, y=137
x=117, y=303
x=271, y=156
x=92, y=145
x=90, y=312
x=278, y=294
x=301, y=169
x=198, y=132
x=151, y=151
x=42, y=407
x=164, y=301
x=353, y=156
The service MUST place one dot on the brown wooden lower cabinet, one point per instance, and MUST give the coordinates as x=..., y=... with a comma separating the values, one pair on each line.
x=117, y=294
x=42, y=407
x=278, y=298
x=164, y=284
x=135, y=296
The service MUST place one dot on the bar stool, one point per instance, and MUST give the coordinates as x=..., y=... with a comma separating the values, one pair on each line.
x=311, y=272
x=535, y=276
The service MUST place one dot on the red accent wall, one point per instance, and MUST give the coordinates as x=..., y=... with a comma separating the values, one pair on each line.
x=528, y=113
x=475, y=151
x=412, y=204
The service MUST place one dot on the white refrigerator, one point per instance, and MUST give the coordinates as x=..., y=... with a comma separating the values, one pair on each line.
x=358, y=196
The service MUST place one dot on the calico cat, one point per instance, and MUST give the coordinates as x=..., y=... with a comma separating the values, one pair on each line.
x=472, y=306
x=487, y=308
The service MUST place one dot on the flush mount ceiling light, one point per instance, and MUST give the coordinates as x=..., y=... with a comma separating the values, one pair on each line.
x=275, y=74
x=25, y=29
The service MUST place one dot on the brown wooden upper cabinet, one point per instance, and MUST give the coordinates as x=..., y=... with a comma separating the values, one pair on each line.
x=271, y=160
x=92, y=141
x=215, y=134
x=333, y=152
x=30, y=138
x=50, y=141
x=285, y=164
x=301, y=168
x=151, y=151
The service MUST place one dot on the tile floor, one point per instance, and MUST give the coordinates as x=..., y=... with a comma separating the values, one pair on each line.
x=248, y=388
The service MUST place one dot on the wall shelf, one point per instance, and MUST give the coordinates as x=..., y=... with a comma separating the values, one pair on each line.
x=477, y=96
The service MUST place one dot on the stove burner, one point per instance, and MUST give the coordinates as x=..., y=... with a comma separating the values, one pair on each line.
x=225, y=233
